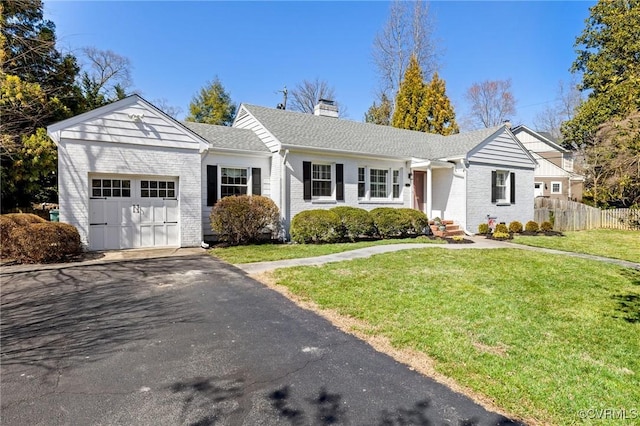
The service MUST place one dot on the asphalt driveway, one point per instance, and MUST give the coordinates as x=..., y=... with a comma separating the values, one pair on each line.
x=191, y=340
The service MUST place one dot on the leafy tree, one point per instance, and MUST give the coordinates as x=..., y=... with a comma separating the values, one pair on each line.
x=441, y=118
x=305, y=96
x=491, y=102
x=410, y=111
x=609, y=60
x=212, y=105
x=379, y=114
x=408, y=32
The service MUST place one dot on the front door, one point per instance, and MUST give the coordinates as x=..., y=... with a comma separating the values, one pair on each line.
x=418, y=190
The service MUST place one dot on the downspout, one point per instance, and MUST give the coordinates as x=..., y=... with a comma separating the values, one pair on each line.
x=283, y=191
x=462, y=174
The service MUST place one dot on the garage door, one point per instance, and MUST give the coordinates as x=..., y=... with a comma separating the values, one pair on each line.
x=133, y=212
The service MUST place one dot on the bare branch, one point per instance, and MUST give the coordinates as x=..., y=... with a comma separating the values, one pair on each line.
x=491, y=102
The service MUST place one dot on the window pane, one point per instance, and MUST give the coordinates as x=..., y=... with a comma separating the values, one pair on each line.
x=106, y=183
x=153, y=193
x=116, y=192
x=361, y=190
x=115, y=183
x=162, y=193
x=171, y=193
x=97, y=192
x=106, y=192
x=321, y=188
x=153, y=184
x=126, y=184
x=163, y=184
x=95, y=183
x=171, y=185
x=144, y=193
x=126, y=193
x=144, y=184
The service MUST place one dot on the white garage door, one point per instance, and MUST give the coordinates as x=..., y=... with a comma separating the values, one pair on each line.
x=133, y=212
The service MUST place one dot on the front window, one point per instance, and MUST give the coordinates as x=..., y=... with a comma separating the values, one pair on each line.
x=233, y=181
x=321, y=180
x=362, y=186
x=396, y=184
x=378, y=183
x=501, y=185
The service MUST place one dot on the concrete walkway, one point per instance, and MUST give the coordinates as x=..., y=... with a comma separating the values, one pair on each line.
x=479, y=243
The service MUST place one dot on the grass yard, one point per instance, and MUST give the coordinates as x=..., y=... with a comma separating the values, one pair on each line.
x=542, y=336
x=269, y=252
x=614, y=243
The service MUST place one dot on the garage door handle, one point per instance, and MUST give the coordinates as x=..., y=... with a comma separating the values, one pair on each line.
x=97, y=198
x=171, y=222
x=170, y=198
x=98, y=223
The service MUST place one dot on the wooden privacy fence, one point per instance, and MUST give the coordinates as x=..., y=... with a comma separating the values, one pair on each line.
x=572, y=216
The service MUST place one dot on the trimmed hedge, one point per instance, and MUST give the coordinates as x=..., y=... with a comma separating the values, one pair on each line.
x=390, y=222
x=46, y=242
x=546, y=226
x=315, y=226
x=531, y=226
x=515, y=227
x=417, y=219
x=245, y=218
x=483, y=228
x=355, y=222
x=8, y=224
x=501, y=228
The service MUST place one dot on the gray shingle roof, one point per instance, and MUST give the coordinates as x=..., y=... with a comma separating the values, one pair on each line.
x=295, y=129
x=227, y=137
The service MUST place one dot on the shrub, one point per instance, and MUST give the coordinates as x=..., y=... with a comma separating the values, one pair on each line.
x=355, y=222
x=390, y=222
x=483, y=228
x=515, y=227
x=531, y=226
x=315, y=226
x=245, y=218
x=501, y=228
x=501, y=235
x=416, y=220
x=8, y=224
x=546, y=226
x=46, y=242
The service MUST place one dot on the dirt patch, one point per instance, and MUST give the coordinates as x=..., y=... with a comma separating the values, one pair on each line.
x=415, y=360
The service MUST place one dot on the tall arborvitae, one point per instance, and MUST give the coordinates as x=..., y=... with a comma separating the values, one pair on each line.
x=409, y=112
x=379, y=114
x=441, y=118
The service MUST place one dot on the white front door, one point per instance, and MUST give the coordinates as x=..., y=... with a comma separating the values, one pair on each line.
x=538, y=190
x=133, y=212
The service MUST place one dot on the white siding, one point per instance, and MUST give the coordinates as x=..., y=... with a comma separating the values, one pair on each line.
x=213, y=158
x=294, y=180
x=502, y=150
x=246, y=121
x=449, y=202
x=534, y=144
x=78, y=158
x=479, y=203
x=152, y=129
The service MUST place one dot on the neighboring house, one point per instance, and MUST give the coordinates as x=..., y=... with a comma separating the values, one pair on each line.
x=555, y=177
x=131, y=176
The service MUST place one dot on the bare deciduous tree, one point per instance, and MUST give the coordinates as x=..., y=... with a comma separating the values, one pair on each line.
x=408, y=31
x=305, y=96
x=107, y=76
x=568, y=99
x=491, y=102
x=171, y=110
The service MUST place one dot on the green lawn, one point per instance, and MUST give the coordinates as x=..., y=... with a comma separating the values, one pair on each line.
x=543, y=336
x=269, y=252
x=613, y=243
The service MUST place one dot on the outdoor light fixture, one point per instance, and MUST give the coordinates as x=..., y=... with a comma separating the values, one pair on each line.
x=136, y=117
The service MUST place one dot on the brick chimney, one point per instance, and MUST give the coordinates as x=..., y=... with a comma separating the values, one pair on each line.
x=326, y=108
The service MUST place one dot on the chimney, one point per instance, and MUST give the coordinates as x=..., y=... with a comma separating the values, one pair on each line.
x=326, y=108
x=507, y=123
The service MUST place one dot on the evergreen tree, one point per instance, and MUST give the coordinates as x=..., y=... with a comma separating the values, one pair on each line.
x=212, y=105
x=609, y=61
x=379, y=114
x=410, y=111
x=441, y=118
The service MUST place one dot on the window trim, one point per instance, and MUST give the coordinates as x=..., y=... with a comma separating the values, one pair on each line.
x=389, y=183
x=332, y=181
x=555, y=182
x=509, y=185
x=247, y=185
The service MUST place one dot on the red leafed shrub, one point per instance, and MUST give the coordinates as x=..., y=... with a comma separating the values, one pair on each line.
x=244, y=219
x=45, y=242
x=8, y=224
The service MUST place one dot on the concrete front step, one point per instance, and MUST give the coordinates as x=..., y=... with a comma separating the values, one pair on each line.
x=450, y=231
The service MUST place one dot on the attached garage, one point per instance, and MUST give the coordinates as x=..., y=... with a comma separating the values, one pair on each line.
x=129, y=177
x=133, y=212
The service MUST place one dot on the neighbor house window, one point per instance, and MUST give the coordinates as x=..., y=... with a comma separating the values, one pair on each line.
x=157, y=189
x=556, y=187
x=110, y=188
x=362, y=184
x=233, y=181
x=378, y=183
x=321, y=180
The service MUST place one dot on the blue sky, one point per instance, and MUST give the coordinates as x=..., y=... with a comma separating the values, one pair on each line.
x=256, y=48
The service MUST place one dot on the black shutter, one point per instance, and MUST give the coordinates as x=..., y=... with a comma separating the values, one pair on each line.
x=340, y=182
x=212, y=185
x=494, y=189
x=306, y=179
x=513, y=188
x=256, y=181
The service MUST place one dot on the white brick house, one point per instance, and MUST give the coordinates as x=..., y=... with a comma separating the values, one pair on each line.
x=131, y=176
